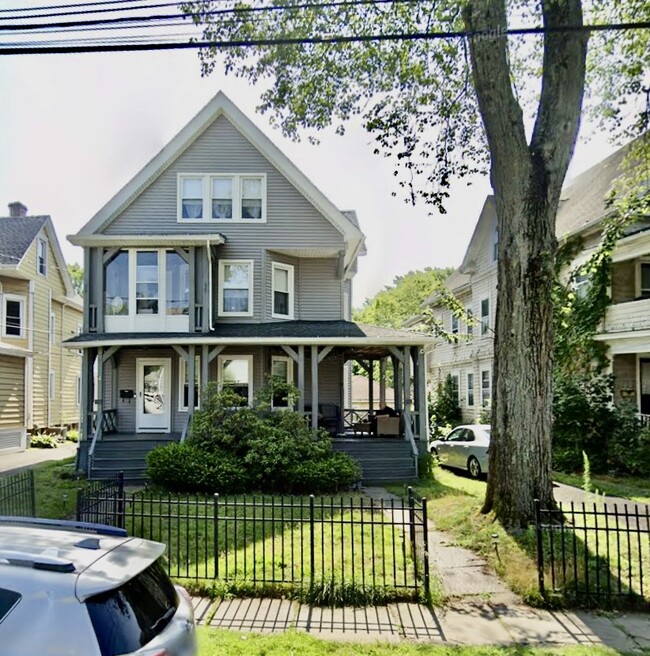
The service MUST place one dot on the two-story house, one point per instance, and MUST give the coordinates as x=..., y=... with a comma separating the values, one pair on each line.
x=221, y=262
x=626, y=328
x=39, y=379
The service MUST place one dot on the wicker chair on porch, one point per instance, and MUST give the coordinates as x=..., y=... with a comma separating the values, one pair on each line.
x=329, y=418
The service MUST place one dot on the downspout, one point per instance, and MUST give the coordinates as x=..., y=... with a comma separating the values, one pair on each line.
x=29, y=391
x=209, y=285
x=61, y=376
x=50, y=339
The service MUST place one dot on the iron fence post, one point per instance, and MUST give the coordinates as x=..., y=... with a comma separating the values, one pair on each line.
x=312, y=541
x=425, y=538
x=32, y=494
x=216, y=534
x=80, y=500
x=120, y=500
x=411, y=501
x=540, y=547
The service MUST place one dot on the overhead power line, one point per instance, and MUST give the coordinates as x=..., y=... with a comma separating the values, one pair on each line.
x=327, y=39
x=17, y=10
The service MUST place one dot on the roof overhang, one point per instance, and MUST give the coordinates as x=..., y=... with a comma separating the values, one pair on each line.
x=146, y=240
x=10, y=271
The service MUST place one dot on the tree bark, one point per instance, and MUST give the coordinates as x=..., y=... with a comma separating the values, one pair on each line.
x=527, y=180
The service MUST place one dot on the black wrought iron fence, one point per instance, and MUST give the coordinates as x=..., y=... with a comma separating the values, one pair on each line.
x=102, y=502
x=594, y=554
x=17, y=497
x=327, y=542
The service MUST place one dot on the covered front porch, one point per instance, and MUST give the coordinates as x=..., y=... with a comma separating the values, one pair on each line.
x=135, y=388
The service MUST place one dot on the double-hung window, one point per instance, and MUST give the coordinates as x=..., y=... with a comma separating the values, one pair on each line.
x=486, y=386
x=485, y=316
x=282, y=281
x=13, y=323
x=221, y=197
x=470, y=321
x=470, y=390
x=282, y=370
x=455, y=388
x=146, y=282
x=644, y=280
x=41, y=257
x=236, y=373
x=454, y=324
x=236, y=288
x=183, y=392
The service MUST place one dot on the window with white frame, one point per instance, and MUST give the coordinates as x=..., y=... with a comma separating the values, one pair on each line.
x=455, y=388
x=470, y=390
x=116, y=295
x=485, y=316
x=454, y=324
x=13, y=323
x=221, y=197
x=486, y=387
x=581, y=284
x=184, y=389
x=236, y=288
x=146, y=282
x=236, y=374
x=644, y=280
x=469, y=315
x=52, y=385
x=281, y=369
x=177, y=285
x=282, y=282
x=41, y=257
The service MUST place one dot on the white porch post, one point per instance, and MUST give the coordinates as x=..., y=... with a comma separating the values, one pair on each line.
x=421, y=400
x=301, y=378
x=371, y=385
x=191, y=378
x=99, y=392
x=398, y=383
x=382, y=383
x=314, y=387
x=204, y=366
x=406, y=370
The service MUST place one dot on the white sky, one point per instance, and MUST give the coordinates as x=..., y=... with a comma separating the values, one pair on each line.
x=75, y=128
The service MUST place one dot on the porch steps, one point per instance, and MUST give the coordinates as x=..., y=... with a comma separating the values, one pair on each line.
x=126, y=453
x=380, y=459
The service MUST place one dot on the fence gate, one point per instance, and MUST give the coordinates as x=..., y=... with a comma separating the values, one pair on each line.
x=102, y=502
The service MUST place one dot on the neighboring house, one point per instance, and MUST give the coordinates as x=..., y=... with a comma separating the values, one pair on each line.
x=39, y=380
x=382, y=395
x=220, y=262
x=626, y=328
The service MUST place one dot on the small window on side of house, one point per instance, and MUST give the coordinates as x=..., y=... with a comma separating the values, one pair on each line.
x=191, y=198
x=644, y=280
x=454, y=324
x=455, y=388
x=485, y=316
x=470, y=390
x=486, y=386
x=13, y=324
x=470, y=321
x=282, y=281
x=41, y=257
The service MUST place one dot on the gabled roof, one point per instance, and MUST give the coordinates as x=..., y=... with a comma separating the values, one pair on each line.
x=17, y=234
x=221, y=105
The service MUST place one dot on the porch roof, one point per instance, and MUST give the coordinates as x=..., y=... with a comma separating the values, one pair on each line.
x=322, y=333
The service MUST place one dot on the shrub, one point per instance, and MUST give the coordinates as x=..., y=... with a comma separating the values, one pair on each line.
x=233, y=449
x=72, y=435
x=444, y=409
x=44, y=441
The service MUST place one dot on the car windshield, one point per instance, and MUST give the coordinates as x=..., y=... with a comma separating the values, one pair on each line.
x=127, y=618
x=8, y=600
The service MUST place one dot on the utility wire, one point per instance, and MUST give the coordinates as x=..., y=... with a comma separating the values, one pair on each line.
x=333, y=39
x=70, y=6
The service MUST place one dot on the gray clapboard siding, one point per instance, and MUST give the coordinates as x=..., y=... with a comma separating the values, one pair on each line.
x=319, y=290
x=292, y=221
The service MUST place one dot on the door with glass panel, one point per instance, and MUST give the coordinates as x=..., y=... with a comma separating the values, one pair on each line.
x=153, y=398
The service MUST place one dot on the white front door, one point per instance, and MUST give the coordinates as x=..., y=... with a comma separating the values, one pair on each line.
x=153, y=395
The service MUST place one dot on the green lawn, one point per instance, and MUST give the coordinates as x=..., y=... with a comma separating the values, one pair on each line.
x=217, y=642
x=56, y=489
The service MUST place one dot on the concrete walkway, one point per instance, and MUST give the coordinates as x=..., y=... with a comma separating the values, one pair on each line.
x=458, y=624
x=10, y=463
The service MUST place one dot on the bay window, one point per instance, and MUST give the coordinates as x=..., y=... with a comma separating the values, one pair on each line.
x=146, y=282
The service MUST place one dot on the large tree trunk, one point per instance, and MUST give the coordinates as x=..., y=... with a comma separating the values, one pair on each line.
x=527, y=181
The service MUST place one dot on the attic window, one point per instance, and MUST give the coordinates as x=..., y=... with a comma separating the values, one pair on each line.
x=221, y=198
x=41, y=257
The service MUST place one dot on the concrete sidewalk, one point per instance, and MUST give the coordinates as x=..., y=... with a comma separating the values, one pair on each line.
x=473, y=623
x=10, y=463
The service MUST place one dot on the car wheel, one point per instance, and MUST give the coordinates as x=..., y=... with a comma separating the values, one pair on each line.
x=473, y=467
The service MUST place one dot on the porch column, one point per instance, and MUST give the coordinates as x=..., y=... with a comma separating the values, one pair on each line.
x=191, y=378
x=406, y=370
x=382, y=383
x=301, y=378
x=204, y=367
x=371, y=391
x=421, y=398
x=100, y=381
x=314, y=387
x=114, y=381
x=397, y=381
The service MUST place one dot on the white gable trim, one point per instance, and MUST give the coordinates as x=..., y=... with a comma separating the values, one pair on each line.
x=218, y=106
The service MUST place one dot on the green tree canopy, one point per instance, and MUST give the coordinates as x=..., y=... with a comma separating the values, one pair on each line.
x=77, y=276
x=394, y=304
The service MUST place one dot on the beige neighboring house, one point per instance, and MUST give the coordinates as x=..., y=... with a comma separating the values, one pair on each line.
x=361, y=394
x=626, y=328
x=39, y=380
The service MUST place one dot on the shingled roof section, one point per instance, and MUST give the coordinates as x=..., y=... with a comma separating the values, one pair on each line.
x=277, y=329
x=16, y=236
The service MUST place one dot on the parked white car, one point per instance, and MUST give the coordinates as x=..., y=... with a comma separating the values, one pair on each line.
x=88, y=590
x=465, y=447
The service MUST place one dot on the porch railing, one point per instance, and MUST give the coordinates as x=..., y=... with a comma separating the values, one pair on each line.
x=408, y=433
x=102, y=422
x=354, y=416
x=643, y=419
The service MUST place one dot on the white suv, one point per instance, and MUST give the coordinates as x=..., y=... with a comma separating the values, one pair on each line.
x=87, y=590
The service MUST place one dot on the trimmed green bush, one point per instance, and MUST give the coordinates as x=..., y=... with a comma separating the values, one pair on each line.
x=234, y=449
x=44, y=441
